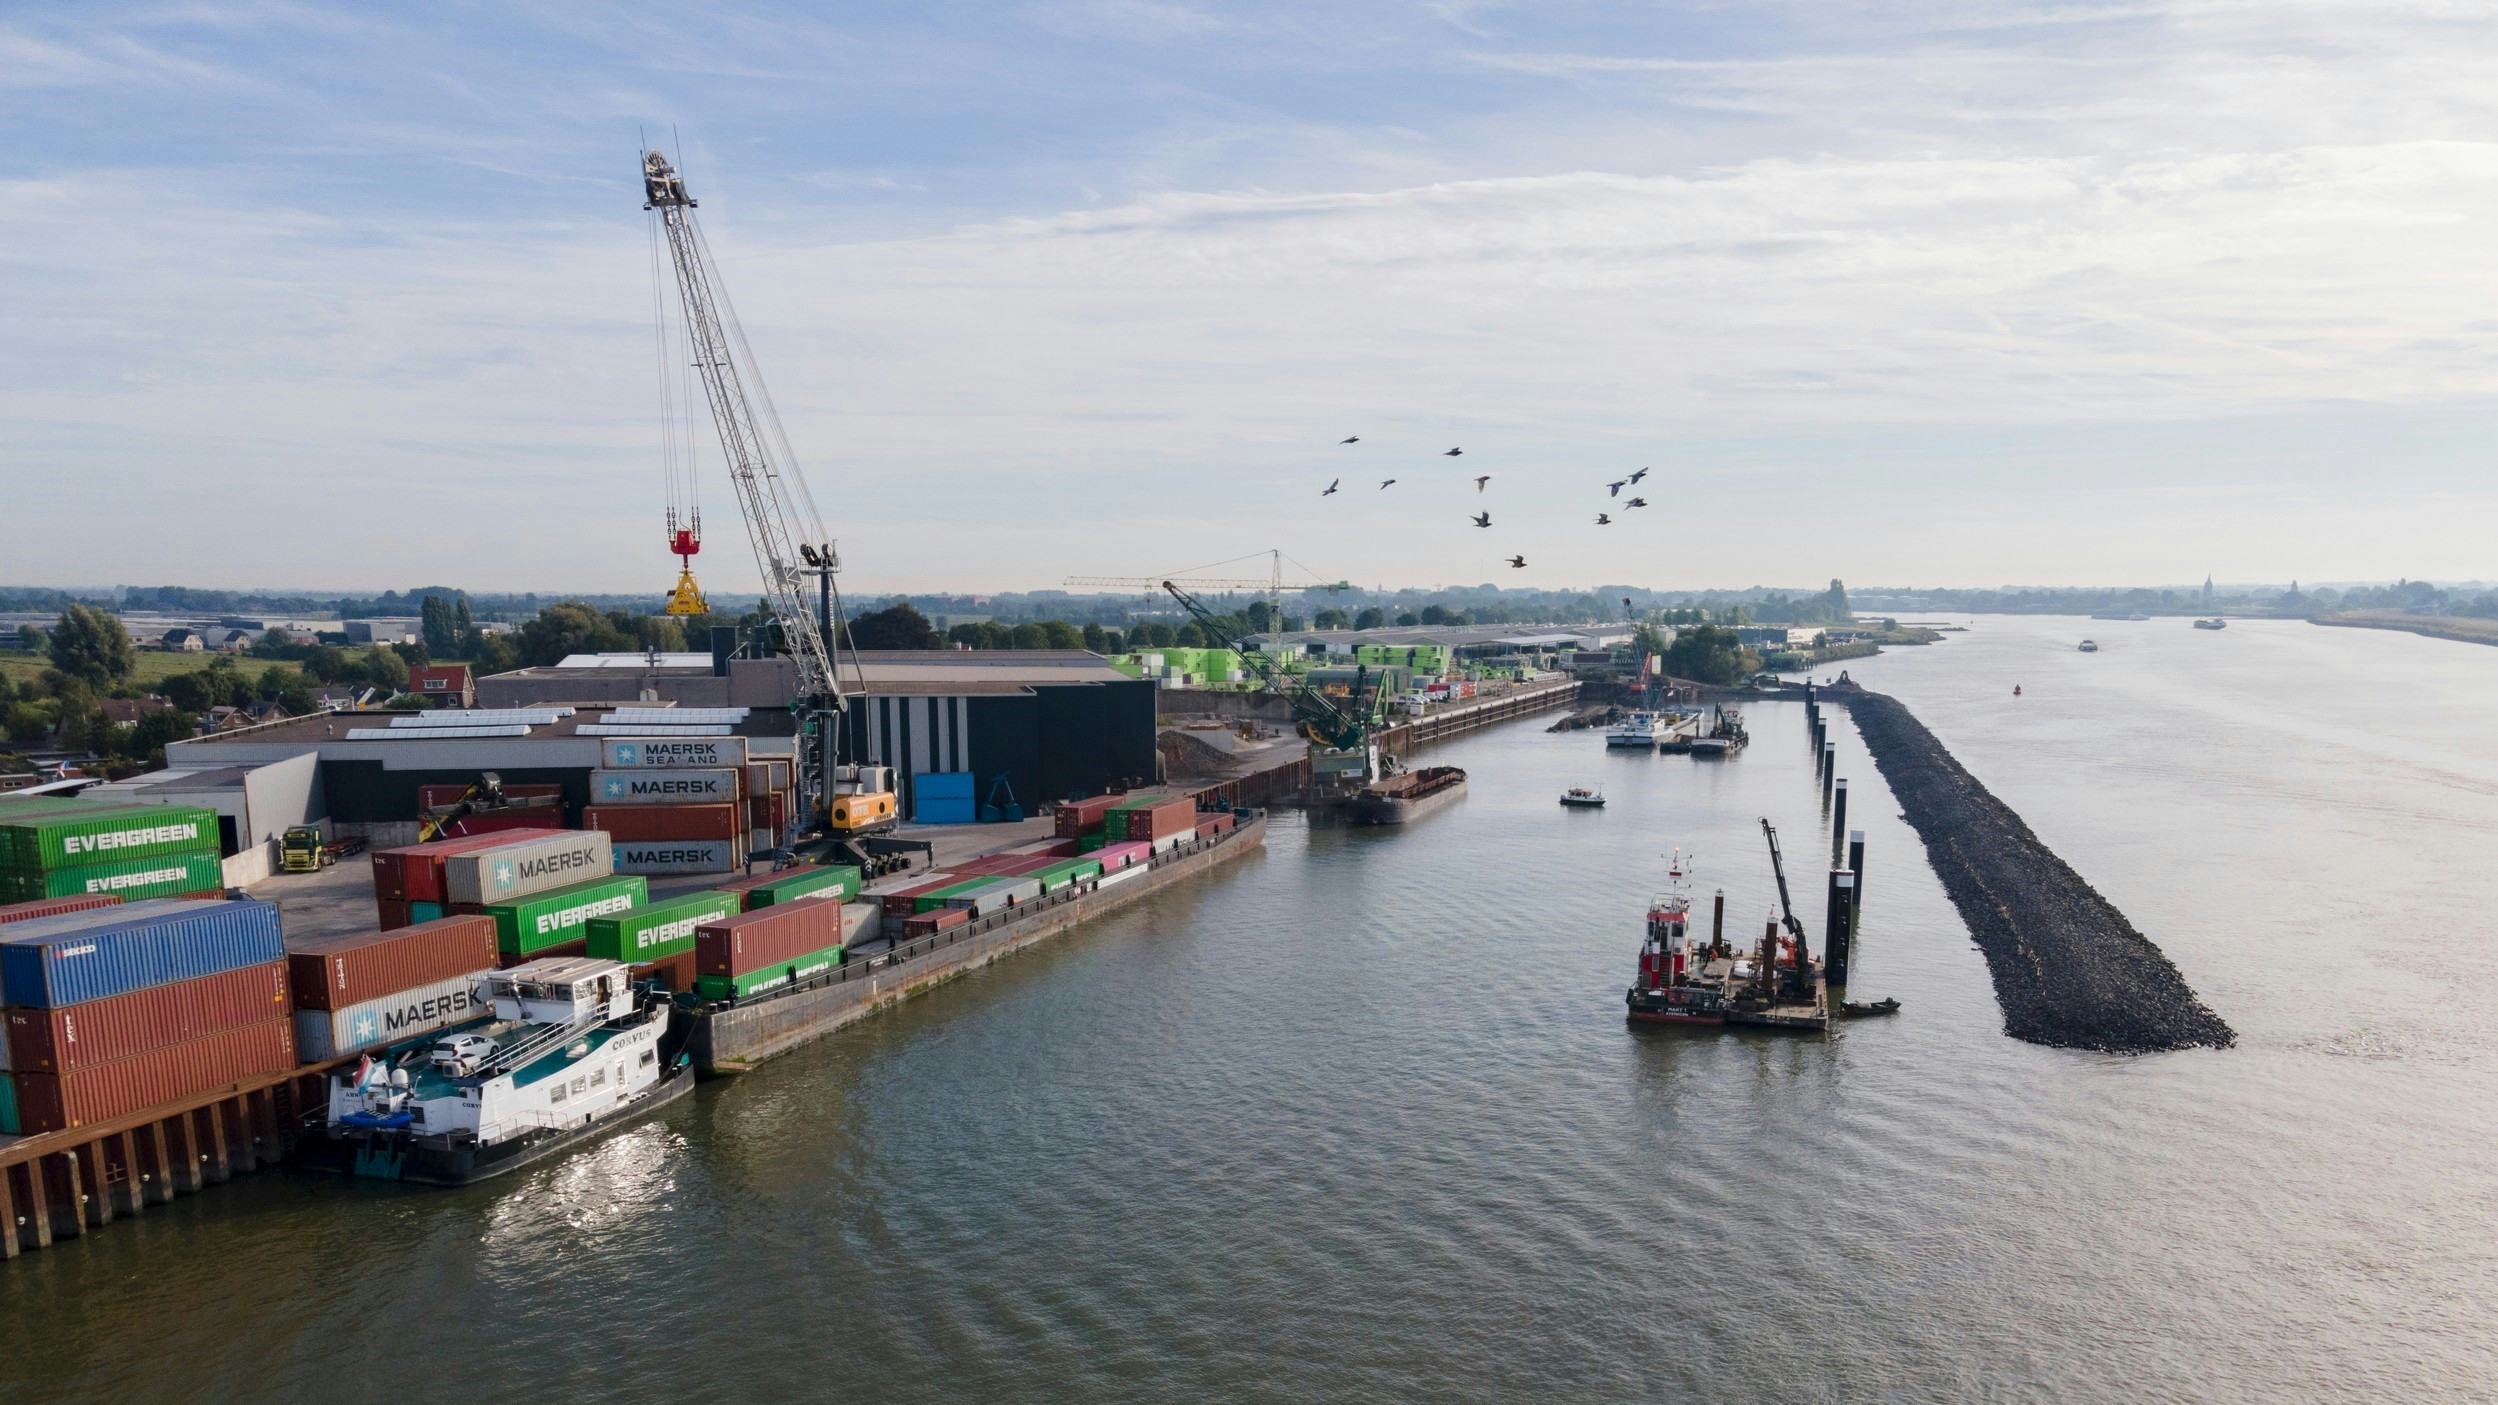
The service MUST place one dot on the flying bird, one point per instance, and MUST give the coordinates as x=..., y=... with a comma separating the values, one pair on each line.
x=1331, y=489
x=1350, y=439
x=1486, y=478
x=1518, y=562
x=1483, y=519
x=1604, y=519
x=1384, y=482
x=1614, y=488
x=1453, y=453
x=1636, y=502
x=1639, y=475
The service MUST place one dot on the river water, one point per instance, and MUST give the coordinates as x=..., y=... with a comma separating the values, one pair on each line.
x=1358, y=1119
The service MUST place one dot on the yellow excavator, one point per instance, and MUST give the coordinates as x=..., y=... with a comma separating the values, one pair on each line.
x=485, y=796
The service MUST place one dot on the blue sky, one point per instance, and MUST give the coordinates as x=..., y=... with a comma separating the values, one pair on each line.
x=1937, y=291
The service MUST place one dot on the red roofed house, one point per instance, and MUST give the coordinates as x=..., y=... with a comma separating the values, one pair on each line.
x=443, y=685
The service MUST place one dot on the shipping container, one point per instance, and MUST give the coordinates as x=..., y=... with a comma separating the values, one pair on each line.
x=414, y=873
x=1151, y=821
x=674, y=753
x=54, y=907
x=988, y=899
x=664, y=786
x=131, y=880
x=560, y=915
x=679, y=856
x=500, y=825
x=508, y=959
x=71, y=1037
x=767, y=936
x=53, y=1102
x=1113, y=857
x=895, y=894
x=387, y=1019
x=673, y=973
x=68, y=839
x=9, y=1126
x=839, y=882
x=935, y=897
x=1072, y=818
x=521, y=867
x=624, y=823
x=659, y=931
x=391, y=916
x=81, y=956
x=426, y=912
x=928, y=924
x=767, y=811
x=794, y=970
x=332, y=973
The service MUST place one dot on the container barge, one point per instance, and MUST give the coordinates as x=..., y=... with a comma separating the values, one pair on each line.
x=1406, y=796
x=728, y=1038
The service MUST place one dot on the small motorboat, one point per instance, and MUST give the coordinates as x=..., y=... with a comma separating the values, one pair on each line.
x=1865, y=1010
x=2090, y=646
x=1579, y=797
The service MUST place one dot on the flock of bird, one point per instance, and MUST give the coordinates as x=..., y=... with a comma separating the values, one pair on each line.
x=1484, y=519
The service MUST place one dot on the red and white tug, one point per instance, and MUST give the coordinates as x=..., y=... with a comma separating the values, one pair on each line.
x=1672, y=987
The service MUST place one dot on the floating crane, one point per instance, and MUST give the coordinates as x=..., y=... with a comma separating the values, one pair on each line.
x=1344, y=758
x=781, y=519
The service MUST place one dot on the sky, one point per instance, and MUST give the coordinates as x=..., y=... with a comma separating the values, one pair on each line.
x=1909, y=292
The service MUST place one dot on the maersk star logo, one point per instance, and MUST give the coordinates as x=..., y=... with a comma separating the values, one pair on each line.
x=613, y=789
x=503, y=875
x=366, y=1029
x=624, y=753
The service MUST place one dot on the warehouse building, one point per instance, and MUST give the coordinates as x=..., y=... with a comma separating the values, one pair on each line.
x=255, y=804
x=1052, y=723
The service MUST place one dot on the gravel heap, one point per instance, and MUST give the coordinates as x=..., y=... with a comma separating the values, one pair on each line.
x=2069, y=969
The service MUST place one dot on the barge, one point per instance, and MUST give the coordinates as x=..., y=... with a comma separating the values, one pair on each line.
x=1687, y=983
x=729, y=1038
x=1406, y=796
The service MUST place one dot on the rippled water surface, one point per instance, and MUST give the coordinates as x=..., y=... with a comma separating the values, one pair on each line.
x=1358, y=1119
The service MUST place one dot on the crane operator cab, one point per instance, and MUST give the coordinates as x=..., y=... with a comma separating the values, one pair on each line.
x=862, y=801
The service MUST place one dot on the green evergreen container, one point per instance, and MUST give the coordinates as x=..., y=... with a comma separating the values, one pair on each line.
x=103, y=833
x=807, y=967
x=557, y=915
x=659, y=931
x=839, y=882
x=1059, y=875
x=1091, y=842
x=131, y=880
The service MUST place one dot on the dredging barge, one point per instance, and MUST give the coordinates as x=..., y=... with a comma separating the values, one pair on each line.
x=1405, y=796
x=1778, y=985
x=732, y=1038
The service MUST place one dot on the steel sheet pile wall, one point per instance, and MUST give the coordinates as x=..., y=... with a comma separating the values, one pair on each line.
x=368, y=989
x=88, y=848
x=687, y=805
x=111, y=1010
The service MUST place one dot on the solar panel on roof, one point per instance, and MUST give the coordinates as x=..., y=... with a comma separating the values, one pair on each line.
x=601, y=729
x=482, y=716
x=401, y=734
x=676, y=716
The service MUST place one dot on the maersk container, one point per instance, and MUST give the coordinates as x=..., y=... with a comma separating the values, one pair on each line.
x=388, y=1019
x=793, y=971
x=81, y=956
x=333, y=973
x=53, y=907
x=560, y=915
x=52, y=1102
x=659, y=931
x=414, y=873
x=509, y=871
x=767, y=937
x=674, y=753
x=664, y=786
x=678, y=856
x=638, y=822
x=839, y=882
x=134, y=880
x=72, y=1037
x=69, y=839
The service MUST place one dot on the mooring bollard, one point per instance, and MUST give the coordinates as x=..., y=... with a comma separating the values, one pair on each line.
x=1829, y=767
x=1838, y=937
x=1838, y=822
x=1856, y=865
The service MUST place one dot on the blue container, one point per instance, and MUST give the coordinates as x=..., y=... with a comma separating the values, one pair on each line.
x=80, y=956
x=942, y=797
x=424, y=912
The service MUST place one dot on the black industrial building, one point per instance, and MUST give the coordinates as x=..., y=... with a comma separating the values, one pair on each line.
x=1052, y=723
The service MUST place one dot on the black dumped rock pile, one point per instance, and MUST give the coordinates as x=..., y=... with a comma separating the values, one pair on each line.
x=2069, y=969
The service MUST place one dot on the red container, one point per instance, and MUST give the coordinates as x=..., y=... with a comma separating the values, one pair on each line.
x=899, y=902
x=767, y=811
x=1073, y=819
x=506, y=960
x=676, y=973
x=414, y=874
x=54, y=907
x=332, y=973
x=933, y=921
x=635, y=824
x=766, y=936
x=393, y=915
x=53, y=1102
x=1205, y=829
x=505, y=825
x=1162, y=821
x=93, y=1032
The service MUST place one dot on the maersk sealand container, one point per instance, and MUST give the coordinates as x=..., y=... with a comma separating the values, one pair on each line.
x=56, y=961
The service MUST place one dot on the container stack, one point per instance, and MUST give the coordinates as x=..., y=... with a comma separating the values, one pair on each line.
x=114, y=1009
x=364, y=990
x=657, y=941
x=669, y=819
x=774, y=948
x=412, y=884
x=771, y=799
x=87, y=848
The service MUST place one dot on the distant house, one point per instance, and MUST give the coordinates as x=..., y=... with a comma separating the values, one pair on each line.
x=444, y=684
x=182, y=641
x=235, y=641
x=126, y=712
x=234, y=719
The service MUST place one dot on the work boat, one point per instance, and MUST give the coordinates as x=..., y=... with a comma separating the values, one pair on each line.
x=1671, y=988
x=1642, y=729
x=571, y=1051
x=1682, y=981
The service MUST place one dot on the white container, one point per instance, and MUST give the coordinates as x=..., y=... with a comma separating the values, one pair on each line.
x=663, y=785
x=695, y=753
x=326, y=1034
x=515, y=870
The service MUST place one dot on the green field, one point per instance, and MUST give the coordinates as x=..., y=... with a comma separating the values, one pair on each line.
x=154, y=667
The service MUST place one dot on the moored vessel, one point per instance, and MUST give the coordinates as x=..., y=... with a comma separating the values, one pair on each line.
x=1640, y=729
x=1684, y=981
x=1725, y=736
x=1405, y=796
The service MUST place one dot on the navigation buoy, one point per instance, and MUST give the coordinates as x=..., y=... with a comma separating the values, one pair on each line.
x=2016, y=690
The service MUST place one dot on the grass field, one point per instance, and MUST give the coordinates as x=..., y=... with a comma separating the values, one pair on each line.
x=154, y=667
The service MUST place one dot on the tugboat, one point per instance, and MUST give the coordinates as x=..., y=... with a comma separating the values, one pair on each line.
x=1777, y=985
x=1725, y=738
x=1405, y=796
x=1641, y=729
x=572, y=1051
x=1579, y=797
